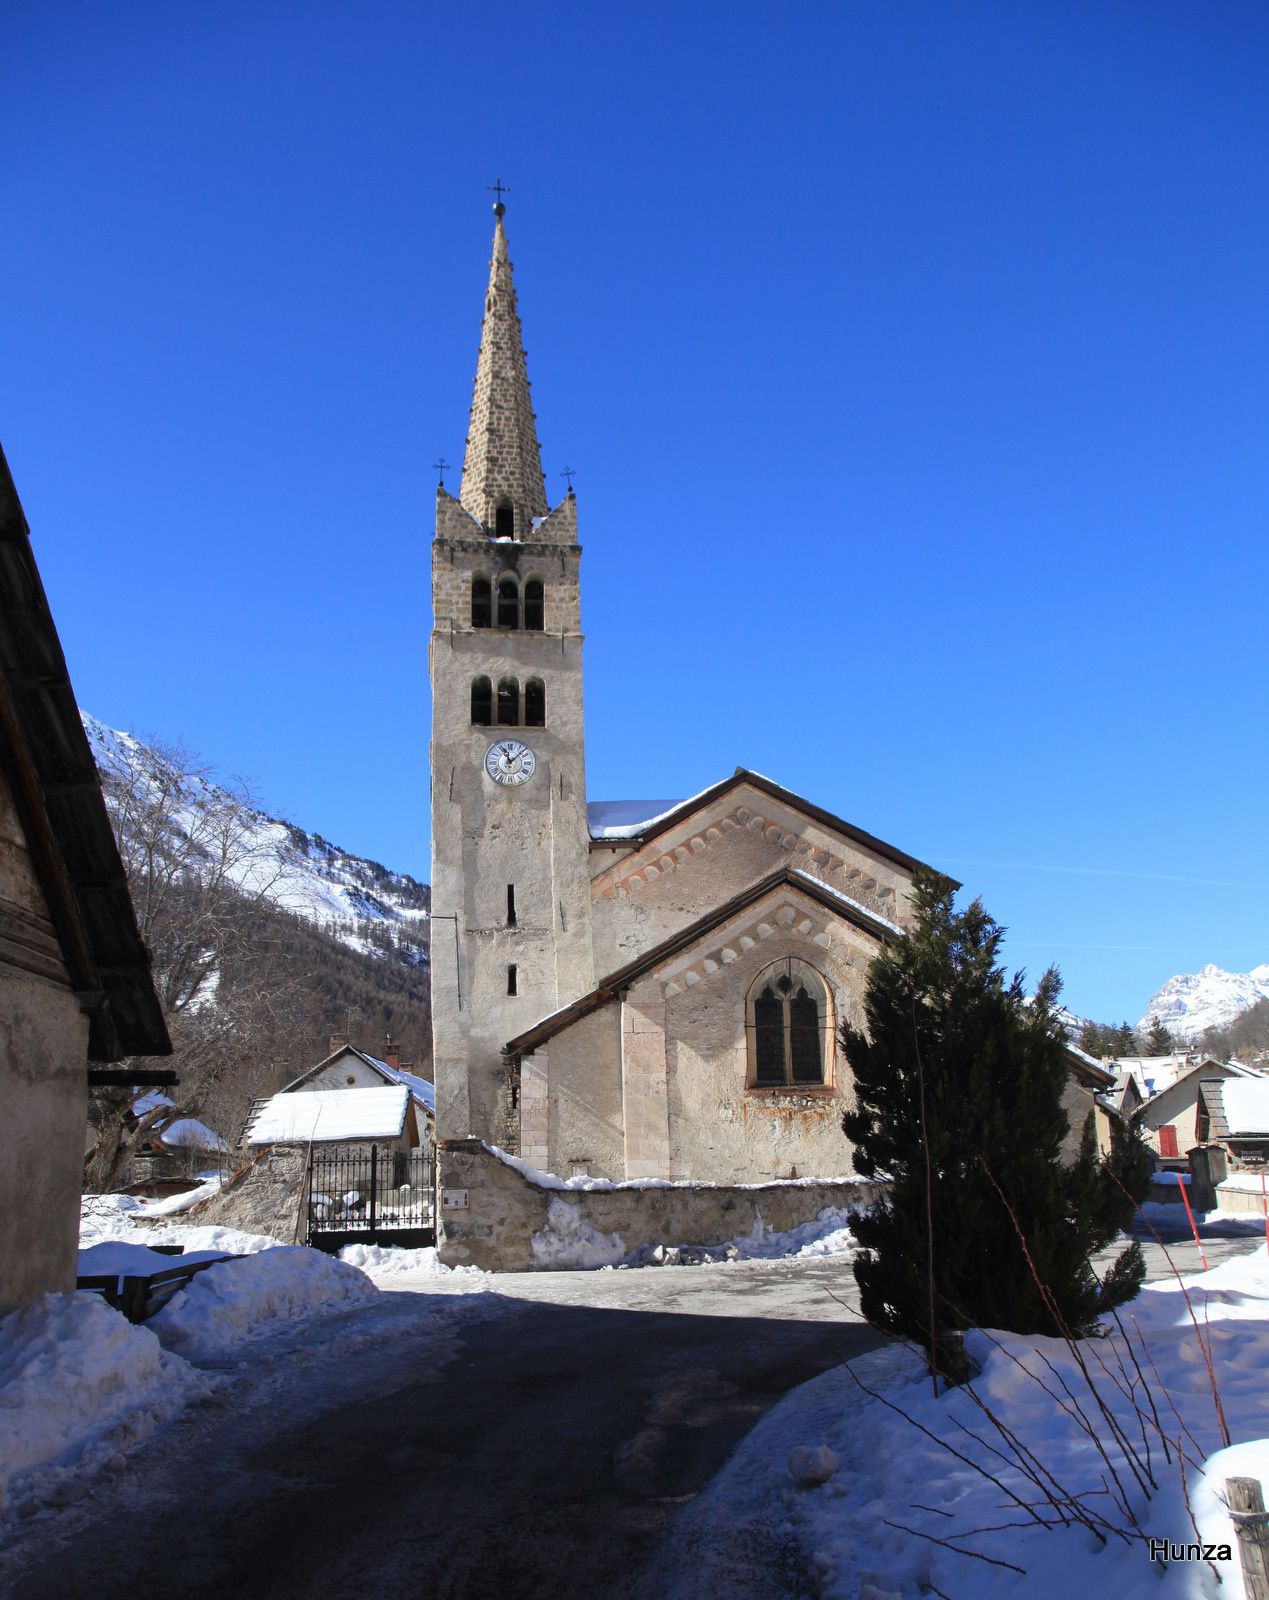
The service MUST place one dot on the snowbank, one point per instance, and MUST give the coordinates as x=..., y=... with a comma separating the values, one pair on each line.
x=871, y=1527
x=238, y=1302
x=386, y=1262
x=124, y=1218
x=79, y=1385
x=569, y=1241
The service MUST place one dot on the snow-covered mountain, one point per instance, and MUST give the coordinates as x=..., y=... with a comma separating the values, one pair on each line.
x=1192, y=1002
x=357, y=901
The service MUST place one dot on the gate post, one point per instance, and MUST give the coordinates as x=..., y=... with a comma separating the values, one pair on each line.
x=374, y=1187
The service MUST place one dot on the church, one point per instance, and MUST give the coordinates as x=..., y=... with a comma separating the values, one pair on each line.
x=620, y=990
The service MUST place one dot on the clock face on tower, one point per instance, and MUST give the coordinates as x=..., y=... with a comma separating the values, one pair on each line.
x=509, y=762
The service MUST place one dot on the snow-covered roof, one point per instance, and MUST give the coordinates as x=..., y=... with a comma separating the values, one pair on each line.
x=1246, y=1106
x=152, y=1100
x=626, y=819
x=186, y=1133
x=329, y=1115
x=420, y=1088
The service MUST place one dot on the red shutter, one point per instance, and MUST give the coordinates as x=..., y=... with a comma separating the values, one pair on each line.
x=1167, y=1141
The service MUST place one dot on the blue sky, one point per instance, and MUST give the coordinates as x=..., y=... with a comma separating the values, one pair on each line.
x=912, y=359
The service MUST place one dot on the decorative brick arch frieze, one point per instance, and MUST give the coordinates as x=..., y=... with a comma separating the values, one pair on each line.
x=634, y=873
x=789, y=916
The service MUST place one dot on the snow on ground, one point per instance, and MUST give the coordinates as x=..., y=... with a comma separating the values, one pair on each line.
x=79, y=1385
x=240, y=1302
x=870, y=1530
x=386, y=1264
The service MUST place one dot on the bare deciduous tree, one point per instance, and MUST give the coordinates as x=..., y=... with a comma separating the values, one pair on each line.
x=200, y=861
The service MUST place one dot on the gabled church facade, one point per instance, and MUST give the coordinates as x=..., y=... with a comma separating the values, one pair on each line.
x=622, y=990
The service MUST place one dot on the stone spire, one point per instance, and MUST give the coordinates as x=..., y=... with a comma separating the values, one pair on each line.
x=502, y=467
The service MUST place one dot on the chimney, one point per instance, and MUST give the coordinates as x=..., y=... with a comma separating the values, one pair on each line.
x=338, y=1041
x=392, y=1054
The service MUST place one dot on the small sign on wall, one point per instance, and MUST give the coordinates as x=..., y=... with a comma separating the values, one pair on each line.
x=453, y=1199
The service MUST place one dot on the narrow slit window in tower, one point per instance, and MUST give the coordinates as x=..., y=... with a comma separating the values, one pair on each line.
x=504, y=522
x=534, y=605
x=508, y=603
x=481, y=702
x=508, y=703
x=535, y=703
x=481, y=603
x=511, y=977
x=511, y=905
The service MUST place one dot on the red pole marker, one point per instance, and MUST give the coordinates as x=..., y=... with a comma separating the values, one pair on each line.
x=1193, y=1225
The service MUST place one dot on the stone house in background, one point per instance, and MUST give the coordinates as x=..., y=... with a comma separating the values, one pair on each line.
x=339, y=1073
x=75, y=983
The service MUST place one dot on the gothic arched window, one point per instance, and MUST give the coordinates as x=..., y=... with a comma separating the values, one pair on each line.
x=508, y=603
x=481, y=603
x=789, y=1026
x=505, y=521
x=508, y=703
x=534, y=605
x=481, y=702
x=535, y=703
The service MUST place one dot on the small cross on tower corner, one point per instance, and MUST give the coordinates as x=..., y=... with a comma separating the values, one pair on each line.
x=499, y=188
x=568, y=474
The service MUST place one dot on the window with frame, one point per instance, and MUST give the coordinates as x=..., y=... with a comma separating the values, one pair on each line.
x=508, y=603
x=789, y=1027
x=481, y=703
x=481, y=603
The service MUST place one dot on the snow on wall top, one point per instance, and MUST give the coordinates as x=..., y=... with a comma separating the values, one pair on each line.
x=625, y=819
x=1246, y=1106
x=329, y=1115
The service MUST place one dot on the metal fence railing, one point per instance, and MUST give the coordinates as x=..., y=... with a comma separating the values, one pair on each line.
x=371, y=1190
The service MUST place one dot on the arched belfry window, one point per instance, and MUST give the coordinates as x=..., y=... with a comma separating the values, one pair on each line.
x=505, y=521
x=481, y=702
x=508, y=603
x=535, y=703
x=534, y=605
x=789, y=1027
x=481, y=603
x=508, y=703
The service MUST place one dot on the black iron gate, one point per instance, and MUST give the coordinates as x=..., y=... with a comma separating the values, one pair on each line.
x=370, y=1195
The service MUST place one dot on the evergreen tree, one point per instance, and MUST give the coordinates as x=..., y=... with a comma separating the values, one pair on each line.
x=1159, y=1041
x=959, y=1076
x=1124, y=1040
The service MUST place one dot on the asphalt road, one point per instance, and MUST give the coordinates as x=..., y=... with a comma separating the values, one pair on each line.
x=532, y=1440
x=543, y=1449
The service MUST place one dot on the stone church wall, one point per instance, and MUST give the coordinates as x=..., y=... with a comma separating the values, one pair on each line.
x=650, y=895
x=511, y=1223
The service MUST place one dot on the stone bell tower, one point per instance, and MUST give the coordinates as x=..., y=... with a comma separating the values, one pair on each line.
x=511, y=940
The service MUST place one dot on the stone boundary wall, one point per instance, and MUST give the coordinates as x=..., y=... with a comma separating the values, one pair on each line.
x=514, y=1223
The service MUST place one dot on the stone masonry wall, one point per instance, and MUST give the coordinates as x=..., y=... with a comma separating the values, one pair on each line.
x=505, y=1211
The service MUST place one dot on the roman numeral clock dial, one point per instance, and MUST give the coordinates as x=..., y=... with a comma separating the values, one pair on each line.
x=508, y=762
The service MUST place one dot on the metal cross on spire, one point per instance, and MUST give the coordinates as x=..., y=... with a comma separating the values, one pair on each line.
x=568, y=474
x=499, y=188
x=439, y=467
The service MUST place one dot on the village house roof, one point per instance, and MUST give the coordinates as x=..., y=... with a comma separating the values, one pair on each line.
x=868, y=921
x=611, y=824
x=1238, y=1106
x=420, y=1088
x=326, y=1116
x=50, y=770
